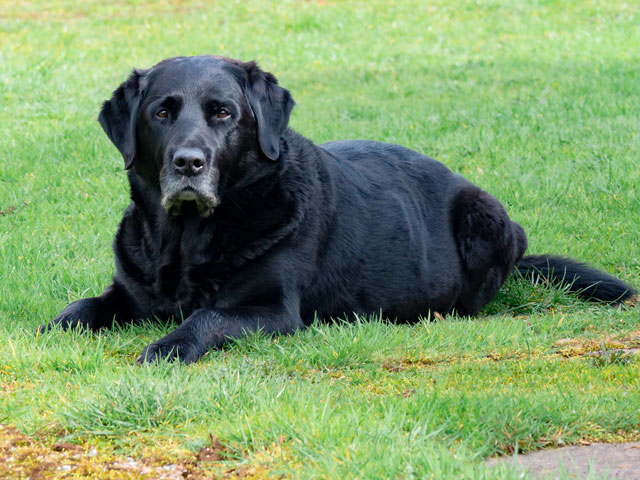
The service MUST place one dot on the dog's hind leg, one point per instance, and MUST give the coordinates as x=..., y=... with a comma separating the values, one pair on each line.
x=489, y=245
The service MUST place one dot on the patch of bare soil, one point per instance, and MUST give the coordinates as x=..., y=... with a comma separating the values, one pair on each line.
x=608, y=349
x=33, y=458
x=604, y=460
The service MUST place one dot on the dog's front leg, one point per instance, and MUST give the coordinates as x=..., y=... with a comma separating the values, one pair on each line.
x=211, y=328
x=94, y=313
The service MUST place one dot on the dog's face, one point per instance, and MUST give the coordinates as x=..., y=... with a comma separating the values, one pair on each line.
x=194, y=127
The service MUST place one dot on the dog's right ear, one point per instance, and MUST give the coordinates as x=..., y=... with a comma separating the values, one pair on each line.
x=118, y=116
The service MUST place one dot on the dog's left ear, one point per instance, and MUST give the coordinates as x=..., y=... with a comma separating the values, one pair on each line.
x=271, y=105
x=118, y=116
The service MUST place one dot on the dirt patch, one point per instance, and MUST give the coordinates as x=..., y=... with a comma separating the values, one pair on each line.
x=633, y=301
x=215, y=453
x=603, y=460
x=396, y=366
x=612, y=349
x=35, y=458
x=11, y=209
x=22, y=457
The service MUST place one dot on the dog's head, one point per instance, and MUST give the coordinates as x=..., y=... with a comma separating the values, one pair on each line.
x=195, y=126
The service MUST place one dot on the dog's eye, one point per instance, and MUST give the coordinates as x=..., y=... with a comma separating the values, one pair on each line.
x=223, y=113
x=162, y=113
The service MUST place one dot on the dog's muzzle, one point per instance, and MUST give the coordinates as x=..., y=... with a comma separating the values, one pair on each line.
x=188, y=178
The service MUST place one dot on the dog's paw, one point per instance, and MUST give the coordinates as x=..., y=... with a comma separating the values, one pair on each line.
x=53, y=324
x=85, y=314
x=170, y=350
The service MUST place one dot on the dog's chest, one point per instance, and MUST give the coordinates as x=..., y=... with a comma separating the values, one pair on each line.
x=189, y=271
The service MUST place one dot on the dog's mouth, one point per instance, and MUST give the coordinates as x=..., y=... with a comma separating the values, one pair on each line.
x=177, y=203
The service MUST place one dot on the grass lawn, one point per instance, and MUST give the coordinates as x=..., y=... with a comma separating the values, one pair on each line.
x=535, y=101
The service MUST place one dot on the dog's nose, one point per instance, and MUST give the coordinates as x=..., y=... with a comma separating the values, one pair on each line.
x=189, y=161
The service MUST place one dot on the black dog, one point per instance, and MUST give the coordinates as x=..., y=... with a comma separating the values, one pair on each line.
x=237, y=223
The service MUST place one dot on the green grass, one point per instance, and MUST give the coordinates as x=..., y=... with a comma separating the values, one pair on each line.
x=537, y=102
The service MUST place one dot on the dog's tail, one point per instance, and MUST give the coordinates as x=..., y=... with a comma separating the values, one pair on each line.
x=579, y=278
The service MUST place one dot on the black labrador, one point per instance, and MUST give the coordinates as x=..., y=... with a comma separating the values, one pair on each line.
x=237, y=223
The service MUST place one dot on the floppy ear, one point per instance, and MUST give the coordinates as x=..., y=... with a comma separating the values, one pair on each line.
x=271, y=105
x=118, y=116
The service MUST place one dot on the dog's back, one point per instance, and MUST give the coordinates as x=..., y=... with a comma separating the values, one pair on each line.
x=389, y=246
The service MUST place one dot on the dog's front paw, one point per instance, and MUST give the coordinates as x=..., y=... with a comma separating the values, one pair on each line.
x=82, y=314
x=169, y=350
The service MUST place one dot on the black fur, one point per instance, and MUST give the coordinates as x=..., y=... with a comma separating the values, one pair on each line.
x=237, y=223
x=579, y=278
